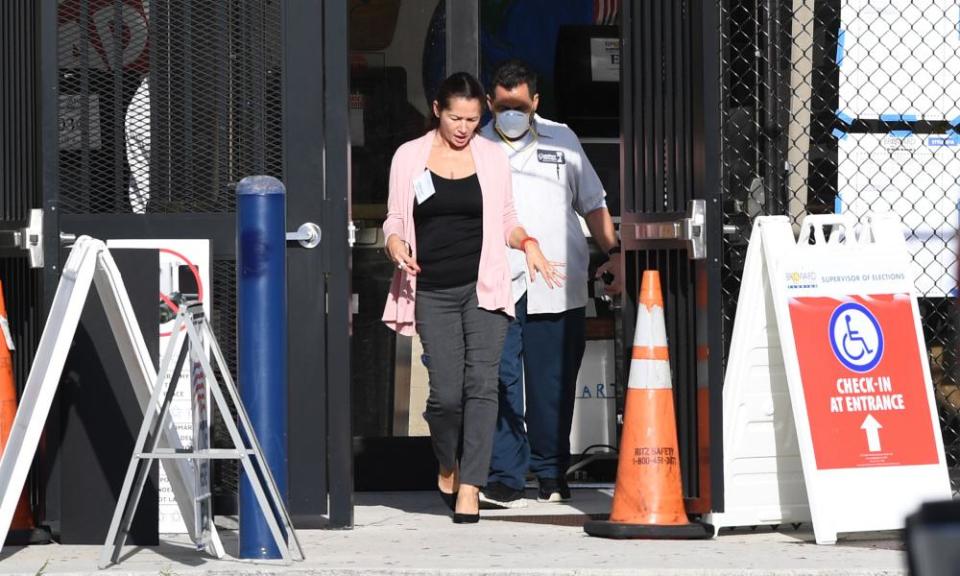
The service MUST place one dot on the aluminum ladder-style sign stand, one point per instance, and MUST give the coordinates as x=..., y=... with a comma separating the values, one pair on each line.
x=89, y=263
x=191, y=330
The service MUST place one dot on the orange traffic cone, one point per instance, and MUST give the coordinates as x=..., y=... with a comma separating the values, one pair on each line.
x=648, y=501
x=22, y=528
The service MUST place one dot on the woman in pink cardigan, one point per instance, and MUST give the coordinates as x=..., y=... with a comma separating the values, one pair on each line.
x=450, y=219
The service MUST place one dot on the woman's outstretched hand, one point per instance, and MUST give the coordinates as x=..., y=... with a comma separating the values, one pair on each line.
x=400, y=254
x=537, y=263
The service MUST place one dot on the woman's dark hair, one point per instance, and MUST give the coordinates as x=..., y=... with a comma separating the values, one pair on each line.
x=459, y=85
x=513, y=73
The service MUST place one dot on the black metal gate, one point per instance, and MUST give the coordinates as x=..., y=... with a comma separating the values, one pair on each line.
x=670, y=160
x=20, y=181
x=20, y=174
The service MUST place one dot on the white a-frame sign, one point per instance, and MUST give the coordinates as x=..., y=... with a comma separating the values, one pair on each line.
x=90, y=262
x=829, y=413
x=763, y=476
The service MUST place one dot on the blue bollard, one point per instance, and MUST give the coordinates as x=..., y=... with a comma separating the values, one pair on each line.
x=262, y=343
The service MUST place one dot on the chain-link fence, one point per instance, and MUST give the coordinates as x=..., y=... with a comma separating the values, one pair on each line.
x=850, y=106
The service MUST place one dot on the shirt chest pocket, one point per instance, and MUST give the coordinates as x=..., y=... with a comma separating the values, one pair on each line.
x=552, y=171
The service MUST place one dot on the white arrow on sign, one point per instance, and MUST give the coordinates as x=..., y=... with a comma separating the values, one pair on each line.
x=872, y=427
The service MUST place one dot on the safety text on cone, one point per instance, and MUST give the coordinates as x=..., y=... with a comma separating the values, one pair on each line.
x=646, y=456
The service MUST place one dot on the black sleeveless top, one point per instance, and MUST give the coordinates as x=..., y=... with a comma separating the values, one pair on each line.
x=449, y=227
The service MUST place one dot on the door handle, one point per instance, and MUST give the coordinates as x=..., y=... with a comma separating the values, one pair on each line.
x=308, y=235
x=645, y=232
x=28, y=239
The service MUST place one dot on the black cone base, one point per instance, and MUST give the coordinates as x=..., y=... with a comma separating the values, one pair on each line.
x=619, y=531
x=28, y=537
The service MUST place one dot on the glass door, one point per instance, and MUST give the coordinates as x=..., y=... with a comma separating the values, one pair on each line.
x=397, y=58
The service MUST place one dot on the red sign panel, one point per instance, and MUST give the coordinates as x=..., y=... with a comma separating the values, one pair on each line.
x=863, y=381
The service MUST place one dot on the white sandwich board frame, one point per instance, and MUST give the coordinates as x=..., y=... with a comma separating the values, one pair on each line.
x=762, y=472
x=89, y=263
x=191, y=337
x=873, y=492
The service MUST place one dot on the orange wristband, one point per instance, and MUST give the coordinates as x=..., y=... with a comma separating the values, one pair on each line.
x=523, y=243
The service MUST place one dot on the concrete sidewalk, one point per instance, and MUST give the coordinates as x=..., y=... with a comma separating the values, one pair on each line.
x=411, y=533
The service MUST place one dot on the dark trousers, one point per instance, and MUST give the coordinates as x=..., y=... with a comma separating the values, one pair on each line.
x=541, y=355
x=462, y=344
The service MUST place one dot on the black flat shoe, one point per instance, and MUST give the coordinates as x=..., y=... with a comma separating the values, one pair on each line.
x=459, y=518
x=449, y=499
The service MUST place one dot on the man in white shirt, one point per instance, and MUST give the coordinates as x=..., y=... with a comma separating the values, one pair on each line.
x=554, y=185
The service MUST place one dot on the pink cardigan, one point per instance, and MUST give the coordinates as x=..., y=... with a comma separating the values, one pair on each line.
x=499, y=220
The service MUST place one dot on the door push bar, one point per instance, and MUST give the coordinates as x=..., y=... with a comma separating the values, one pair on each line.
x=656, y=231
x=29, y=238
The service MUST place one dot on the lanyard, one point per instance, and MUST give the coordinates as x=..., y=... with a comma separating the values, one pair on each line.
x=513, y=148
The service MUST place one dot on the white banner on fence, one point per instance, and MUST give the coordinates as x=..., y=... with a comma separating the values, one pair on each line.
x=913, y=176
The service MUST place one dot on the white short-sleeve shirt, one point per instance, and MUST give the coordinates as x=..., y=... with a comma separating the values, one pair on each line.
x=553, y=185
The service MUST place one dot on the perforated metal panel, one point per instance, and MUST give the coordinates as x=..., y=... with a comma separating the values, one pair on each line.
x=165, y=104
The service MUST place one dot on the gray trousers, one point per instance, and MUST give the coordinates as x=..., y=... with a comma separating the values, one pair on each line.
x=462, y=344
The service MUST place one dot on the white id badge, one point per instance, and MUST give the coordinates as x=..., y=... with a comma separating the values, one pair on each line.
x=423, y=186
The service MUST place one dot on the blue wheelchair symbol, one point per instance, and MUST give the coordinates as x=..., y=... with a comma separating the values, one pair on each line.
x=855, y=337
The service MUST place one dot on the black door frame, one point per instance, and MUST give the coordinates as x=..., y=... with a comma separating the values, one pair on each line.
x=48, y=77
x=321, y=489
x=317, y=171
x=707, y=182
x=316, y=92
x=338, y=261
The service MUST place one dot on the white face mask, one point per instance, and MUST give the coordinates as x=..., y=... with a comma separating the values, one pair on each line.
x=513, y=123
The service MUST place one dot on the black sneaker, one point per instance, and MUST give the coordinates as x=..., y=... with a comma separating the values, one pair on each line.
x=499, y=495
x=553, y=490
